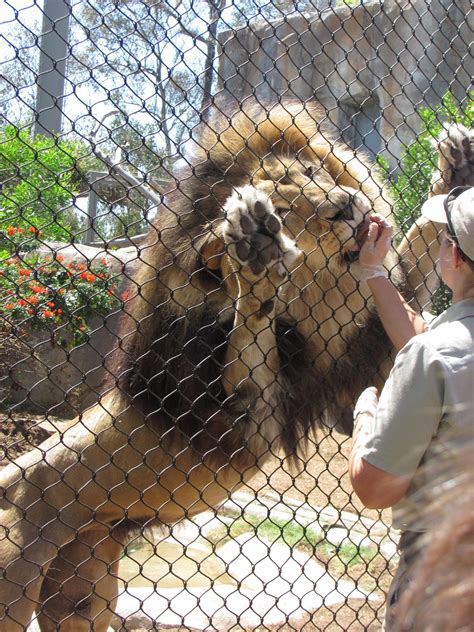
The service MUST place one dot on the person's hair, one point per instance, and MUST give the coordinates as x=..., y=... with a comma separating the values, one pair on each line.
x=441, y=593
x=449, y=200
x=462, y=255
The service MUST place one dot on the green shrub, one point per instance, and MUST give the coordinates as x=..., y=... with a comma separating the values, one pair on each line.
x=39, y=178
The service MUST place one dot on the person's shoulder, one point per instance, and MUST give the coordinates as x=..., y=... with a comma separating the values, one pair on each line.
x=437, y=342
x=450, y=340
x=463, y=311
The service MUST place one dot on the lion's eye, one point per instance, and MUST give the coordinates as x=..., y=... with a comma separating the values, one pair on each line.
x=338, y=216
x=310, y=171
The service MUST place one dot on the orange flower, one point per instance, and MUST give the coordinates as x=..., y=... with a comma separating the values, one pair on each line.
x=33, y=299
x=38, y=289
x=30, y=310
x=88, y=276
x=59, y=311
x=48, y=313
x=59, y=258
x=81, y=266
x=125, y=295
x=25, y=271
x=11, y=230
x=9, y=306
x=32, y=229
x=61, y=290
x=21, y=301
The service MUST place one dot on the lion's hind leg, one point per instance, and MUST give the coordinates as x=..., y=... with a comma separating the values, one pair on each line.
x=80, y=590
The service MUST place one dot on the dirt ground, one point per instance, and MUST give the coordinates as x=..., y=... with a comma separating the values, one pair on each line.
x=320, y=479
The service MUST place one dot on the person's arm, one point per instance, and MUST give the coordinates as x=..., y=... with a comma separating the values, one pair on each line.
x=400, y=321
x=376, y=488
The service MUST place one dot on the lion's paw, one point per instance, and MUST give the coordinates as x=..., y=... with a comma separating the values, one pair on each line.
x=456, y=159
x=253, y=233
x=456, y=145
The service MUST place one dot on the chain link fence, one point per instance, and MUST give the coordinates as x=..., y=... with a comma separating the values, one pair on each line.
x=183, y=328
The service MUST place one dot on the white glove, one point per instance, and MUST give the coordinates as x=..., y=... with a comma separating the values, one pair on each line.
x=372, y=271
x=375, y=248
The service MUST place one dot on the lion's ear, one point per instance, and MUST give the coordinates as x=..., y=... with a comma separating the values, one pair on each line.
x=211, y=253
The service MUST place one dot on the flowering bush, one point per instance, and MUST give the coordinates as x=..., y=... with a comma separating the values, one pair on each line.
x=56, y=296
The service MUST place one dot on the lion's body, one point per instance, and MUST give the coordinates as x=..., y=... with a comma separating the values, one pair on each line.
x=241, y=336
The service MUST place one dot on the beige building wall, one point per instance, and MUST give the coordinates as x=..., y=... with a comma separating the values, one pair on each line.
x=371, y=66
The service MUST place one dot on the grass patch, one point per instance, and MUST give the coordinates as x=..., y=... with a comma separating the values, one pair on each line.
x=304, y=538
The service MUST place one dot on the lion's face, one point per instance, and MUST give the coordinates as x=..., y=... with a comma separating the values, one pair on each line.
x=326, y=219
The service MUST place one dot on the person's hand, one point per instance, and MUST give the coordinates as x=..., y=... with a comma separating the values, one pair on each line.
x=367, y=403
x=375, y=247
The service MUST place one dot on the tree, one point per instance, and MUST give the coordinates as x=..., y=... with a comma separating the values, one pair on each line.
x=39, y=178
x=18, y=65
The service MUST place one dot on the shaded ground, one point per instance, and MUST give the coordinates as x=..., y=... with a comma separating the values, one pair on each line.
x=22, y=431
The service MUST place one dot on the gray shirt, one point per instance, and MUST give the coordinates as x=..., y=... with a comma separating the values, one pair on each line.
x=430, y=390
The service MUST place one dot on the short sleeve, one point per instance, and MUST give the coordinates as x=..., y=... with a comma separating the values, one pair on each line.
x=409, y=412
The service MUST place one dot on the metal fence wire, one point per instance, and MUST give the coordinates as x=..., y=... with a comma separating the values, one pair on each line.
x=185, y=187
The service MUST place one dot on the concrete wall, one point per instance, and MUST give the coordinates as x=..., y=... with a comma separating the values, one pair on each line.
x=371, y=65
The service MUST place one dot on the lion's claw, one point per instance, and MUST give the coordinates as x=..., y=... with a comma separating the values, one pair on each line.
x=455, y=147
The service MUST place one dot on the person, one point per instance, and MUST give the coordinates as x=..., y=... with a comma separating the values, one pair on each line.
x=430, y=388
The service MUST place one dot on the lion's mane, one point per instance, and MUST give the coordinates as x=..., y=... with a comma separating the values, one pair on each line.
x=176, y=326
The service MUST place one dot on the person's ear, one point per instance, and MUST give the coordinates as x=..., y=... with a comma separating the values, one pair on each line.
x=457, y=256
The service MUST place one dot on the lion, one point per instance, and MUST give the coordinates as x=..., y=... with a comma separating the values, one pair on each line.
x=247, y=329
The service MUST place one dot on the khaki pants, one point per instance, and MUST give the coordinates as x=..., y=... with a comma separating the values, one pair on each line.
x=408, y=551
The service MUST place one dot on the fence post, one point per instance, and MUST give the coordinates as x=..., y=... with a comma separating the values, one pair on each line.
x=54, y=46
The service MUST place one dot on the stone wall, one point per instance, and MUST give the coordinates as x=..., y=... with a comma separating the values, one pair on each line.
x=371, y=65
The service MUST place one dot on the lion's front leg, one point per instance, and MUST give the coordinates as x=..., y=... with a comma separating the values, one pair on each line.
x=419, y=250
x=419, y=254
x=258, y=258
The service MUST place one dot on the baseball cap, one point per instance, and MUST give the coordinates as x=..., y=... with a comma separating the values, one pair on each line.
x=456, y=209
